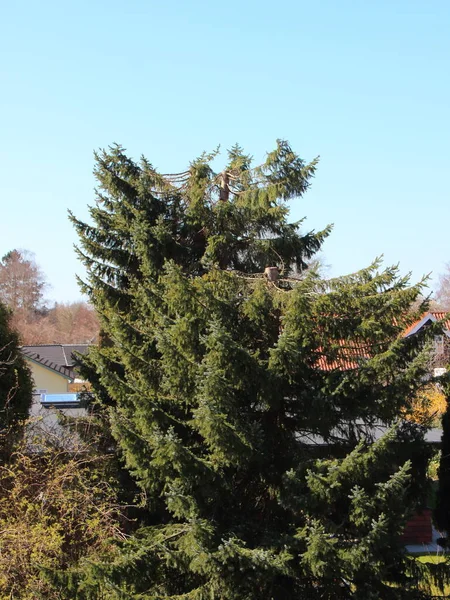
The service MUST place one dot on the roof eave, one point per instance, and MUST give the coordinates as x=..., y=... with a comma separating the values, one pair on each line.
x=37, y=362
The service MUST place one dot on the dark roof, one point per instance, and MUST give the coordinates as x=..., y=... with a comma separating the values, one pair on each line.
x=441, y=316
x=57, y=357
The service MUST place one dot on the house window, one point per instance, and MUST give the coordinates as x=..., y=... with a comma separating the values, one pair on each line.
x=62, y=401
x=439, y=371
x=438, y=344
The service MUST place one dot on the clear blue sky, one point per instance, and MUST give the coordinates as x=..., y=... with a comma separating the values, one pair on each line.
x=364, y=84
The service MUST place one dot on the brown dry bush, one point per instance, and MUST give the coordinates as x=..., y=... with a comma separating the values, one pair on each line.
x=55, y=509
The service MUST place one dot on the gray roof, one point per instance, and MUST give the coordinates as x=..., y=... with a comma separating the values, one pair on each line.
x=57, y=357
x=370, y=433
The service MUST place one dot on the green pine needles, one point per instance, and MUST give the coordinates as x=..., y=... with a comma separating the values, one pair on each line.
x=243, y=399
x=16, y=386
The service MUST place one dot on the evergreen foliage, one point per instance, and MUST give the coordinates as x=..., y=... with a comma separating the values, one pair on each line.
x=15, y=381
x=241, y=403
x=442, y=511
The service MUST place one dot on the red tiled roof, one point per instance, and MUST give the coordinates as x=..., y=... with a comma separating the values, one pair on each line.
x=348, y=357
x=351, y=353
x=444, y=317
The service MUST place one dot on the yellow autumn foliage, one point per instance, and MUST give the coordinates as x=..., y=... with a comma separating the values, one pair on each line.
x=428, y=406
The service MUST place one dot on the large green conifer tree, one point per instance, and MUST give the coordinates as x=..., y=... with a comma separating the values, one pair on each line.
x=16, y=384
x=241, y=397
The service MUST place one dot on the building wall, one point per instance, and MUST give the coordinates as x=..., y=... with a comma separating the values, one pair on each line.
x=418, y=529
x=44, y=421
x=441, y=348
x=47, y=380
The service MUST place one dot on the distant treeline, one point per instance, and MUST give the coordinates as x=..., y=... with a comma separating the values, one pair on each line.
x=22, y=289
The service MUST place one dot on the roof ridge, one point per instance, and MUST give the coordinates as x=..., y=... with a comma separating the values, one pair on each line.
x=64, y=354
x=55, y=345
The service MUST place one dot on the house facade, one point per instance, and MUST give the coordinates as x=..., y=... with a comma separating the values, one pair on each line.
x=53, y=368
x=441, y=343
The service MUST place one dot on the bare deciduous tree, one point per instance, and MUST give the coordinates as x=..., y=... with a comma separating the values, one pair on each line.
x=22, y=283
x=443, y=291
x=22, y=286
